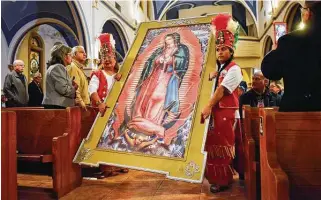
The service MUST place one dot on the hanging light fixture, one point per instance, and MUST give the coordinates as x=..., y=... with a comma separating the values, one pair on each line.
x=301, y=25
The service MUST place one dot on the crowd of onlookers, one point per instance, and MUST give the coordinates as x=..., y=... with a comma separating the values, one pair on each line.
x=66, y=83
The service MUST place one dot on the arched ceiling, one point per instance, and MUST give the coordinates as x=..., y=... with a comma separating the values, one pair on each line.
x=171, y=7
x=27, y=11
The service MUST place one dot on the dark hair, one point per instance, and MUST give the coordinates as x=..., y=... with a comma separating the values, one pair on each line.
x=222, y=68
x=175, y=36
x=58, y=53
x=243, y=85
x=315, y=7
x=10, y=67
x=232, y=53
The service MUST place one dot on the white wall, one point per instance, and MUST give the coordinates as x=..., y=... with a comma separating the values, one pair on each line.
x=4, y=58
x=50, y=36
x=92, y=20
x=96, y=18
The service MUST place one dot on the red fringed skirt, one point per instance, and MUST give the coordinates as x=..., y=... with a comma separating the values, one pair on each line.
x=220, y=147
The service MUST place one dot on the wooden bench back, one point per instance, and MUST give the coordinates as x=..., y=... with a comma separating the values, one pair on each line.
x=21, y=108
x=87, y=120
x=37, y=127
x=274, y=181
x=298, y=148
x=8, y=156
x=252, y=123
x=251, y=129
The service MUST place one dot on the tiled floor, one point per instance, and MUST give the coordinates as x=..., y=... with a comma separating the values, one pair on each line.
x=138, y=185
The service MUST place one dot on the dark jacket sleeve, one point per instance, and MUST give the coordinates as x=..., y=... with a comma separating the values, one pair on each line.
x=32, y=94
x=31, y=89
x=273, y=63
x=244, y=100
x=7, y=88
x=278, y=100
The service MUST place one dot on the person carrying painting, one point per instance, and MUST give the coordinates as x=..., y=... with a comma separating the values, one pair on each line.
x=101, y=83
x=103, y=79
x=222, y=106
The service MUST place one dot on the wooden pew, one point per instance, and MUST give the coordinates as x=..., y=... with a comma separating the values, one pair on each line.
x=21, y=108
x=51, y=136
x=87, y=120
x=8, y=156
x=274, y=182
x=251, y=129
x=298, y=136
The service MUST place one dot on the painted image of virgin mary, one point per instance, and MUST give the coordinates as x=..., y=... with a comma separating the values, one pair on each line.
x=156, y=107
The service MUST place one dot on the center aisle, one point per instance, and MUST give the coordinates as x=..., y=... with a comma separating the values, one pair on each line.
x=139, y=185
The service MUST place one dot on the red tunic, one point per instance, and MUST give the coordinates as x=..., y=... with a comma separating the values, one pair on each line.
x=103, y=85
x=220, y=139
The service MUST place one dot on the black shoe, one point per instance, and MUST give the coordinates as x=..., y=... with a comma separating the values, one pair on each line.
x=217, y=188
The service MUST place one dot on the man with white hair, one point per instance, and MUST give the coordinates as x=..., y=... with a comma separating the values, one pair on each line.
x=75, y=71
x=15, y=86
x=35, y=91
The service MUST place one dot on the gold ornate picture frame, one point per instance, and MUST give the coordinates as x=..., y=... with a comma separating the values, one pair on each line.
x=153, y=123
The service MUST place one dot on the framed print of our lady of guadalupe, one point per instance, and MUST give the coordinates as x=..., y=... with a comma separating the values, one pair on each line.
x=153, y=122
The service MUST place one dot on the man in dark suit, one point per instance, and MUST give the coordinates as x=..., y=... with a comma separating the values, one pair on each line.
x=297, y=60
x=35, y=91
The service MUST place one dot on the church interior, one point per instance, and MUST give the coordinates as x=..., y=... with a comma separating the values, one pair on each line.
x=279, y=162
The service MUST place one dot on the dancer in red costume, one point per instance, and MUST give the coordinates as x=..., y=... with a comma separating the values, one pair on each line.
x=222, y=106
x=103, y=79
x=101, y=83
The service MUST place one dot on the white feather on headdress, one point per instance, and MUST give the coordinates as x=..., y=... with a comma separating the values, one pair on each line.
x=232, y=26
x=112, y=41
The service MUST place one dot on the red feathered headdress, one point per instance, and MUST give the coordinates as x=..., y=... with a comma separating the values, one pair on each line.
x=106, y=45
x=225, y=30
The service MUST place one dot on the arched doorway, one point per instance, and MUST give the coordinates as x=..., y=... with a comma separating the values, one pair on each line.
x=35, y=55
x=38, y=42
x=268, y=44
x=241, y=12
x=293, y=17
x=31, y=17
x=113, y=28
